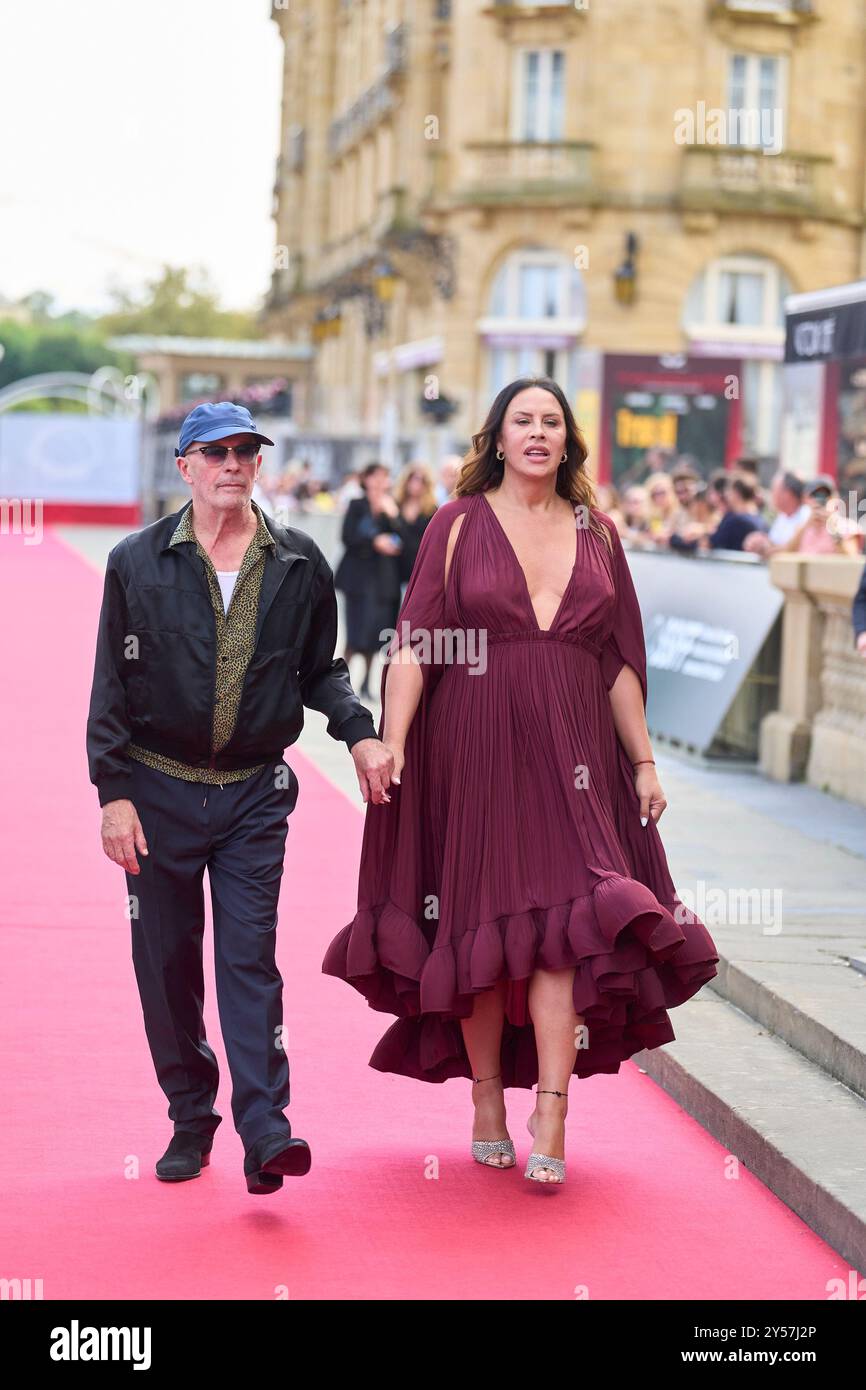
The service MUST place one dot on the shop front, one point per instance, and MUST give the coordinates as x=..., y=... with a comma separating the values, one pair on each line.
x=687, y=404
x=824, y=388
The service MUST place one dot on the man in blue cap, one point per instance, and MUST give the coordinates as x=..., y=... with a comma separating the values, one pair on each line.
x=217, y=627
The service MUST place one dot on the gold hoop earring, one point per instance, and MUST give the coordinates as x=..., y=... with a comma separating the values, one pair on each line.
x=564, y=459
x=500, y=455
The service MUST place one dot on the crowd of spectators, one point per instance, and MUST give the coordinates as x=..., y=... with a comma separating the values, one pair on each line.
x=675, y=508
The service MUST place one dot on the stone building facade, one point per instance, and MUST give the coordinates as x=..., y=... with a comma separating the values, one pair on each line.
x=469, y=191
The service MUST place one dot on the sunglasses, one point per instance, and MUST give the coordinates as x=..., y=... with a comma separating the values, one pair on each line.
x=218, y=453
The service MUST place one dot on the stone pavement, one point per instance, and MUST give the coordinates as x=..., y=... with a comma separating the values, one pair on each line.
x=772, y=1058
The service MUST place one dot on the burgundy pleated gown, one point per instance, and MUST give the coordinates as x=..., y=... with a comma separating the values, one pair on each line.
x=514, y=839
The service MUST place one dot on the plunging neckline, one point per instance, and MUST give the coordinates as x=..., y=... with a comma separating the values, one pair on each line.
x=522, y=573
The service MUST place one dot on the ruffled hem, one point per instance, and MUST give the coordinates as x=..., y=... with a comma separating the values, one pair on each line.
x=633, y=959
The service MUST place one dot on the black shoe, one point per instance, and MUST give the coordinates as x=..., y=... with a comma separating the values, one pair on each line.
x=271, y=1157
x=185, y=1157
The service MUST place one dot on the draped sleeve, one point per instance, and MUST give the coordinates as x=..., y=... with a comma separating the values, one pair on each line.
x=394, y=924
x=624, y=644
x=421, y=619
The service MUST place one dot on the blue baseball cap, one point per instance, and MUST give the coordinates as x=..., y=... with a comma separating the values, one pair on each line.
x=217, y=420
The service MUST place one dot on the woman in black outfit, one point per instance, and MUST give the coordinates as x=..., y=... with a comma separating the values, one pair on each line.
x=416, y=501
x=369, y=572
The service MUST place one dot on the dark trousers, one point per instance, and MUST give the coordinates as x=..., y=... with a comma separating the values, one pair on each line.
x=239, y=832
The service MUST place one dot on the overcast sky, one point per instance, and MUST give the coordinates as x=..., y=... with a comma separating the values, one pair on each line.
x=133, y=134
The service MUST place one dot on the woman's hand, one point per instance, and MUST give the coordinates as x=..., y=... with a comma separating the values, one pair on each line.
x=398, y=752
x=648, y=788
x=385, y=545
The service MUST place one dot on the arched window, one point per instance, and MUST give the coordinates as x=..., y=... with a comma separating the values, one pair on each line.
x=536, y=312
x=736, y=306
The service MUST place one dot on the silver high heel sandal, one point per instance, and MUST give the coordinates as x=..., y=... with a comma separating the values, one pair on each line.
x=482, y=1149
x=536, y=1160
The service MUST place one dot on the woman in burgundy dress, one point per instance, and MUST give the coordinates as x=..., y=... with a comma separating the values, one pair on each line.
x=515, y=908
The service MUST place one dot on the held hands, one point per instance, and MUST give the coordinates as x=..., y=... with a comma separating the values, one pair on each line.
x=377, y=765
x=122, y=834
x=648, y=788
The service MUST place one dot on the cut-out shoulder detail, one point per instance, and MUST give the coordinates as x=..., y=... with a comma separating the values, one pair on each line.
x=449, y=549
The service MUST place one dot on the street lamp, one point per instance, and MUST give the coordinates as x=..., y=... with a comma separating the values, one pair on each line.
x=625, y=276
x=384, y=279
x=327, y=323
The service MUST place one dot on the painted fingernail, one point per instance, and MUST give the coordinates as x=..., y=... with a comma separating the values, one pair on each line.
x=643, y=820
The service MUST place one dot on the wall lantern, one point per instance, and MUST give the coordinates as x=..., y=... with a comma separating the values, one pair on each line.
x=625, y=277
x=384, y=279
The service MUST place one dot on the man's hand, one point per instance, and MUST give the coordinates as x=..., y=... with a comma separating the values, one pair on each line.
x=122, y=834
x=375, y=766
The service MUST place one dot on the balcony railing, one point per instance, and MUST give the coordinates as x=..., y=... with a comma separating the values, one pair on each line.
x=721, y=178
x=780, y=11
x=375, y=101
x=499, y=171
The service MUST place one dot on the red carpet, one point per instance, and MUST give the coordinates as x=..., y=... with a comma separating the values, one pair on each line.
x=647, y=1212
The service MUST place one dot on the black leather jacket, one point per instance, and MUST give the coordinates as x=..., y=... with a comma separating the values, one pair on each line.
x=162, y=698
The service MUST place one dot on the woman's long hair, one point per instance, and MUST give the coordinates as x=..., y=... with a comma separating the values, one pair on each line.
x=482, y=470
x=428, y=496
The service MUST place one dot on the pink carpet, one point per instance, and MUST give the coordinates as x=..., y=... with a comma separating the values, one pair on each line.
x=393, y=1207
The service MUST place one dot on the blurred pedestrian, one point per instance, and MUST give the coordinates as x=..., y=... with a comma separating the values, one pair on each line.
x=826, y=530
x=635, y=515
x=449, y=471
x=739, y=518
x=609, y=503
x=664, y=507
x=349, y=488
x=698, y=518
x=415, y=495
x=369, y=572
x=322, y=499
x=791, y=511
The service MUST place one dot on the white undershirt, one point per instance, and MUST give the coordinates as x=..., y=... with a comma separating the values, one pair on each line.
x=227, y=583
x=783, y=527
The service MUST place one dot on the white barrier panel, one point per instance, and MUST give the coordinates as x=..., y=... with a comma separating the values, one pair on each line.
x=705, y=621
x=69, y=458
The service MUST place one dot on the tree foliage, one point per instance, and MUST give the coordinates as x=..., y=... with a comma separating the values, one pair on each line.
x=180, y=302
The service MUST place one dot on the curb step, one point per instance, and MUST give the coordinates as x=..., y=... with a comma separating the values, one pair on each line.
x=813, y=1026
x=737, y=1079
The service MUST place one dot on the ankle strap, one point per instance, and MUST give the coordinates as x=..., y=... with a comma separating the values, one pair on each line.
x=486, y=1078
x=541, y=1092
